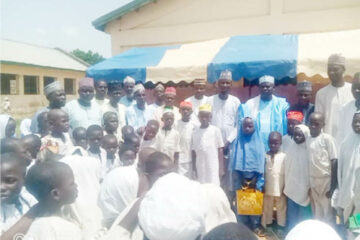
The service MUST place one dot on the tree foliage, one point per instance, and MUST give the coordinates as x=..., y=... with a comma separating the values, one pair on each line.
x=89, y=56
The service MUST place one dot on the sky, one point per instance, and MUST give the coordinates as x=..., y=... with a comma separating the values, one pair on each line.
x=57, y=23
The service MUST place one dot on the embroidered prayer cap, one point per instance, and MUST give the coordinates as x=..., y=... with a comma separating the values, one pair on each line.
x=185, y=104
x=86, y=82
x=139, y=88
x=170, y=90
x=52, y=87
x=205, y=108
x=304, y=86
x=160, y=87
x=267, y=79
x=167, y=110
x=337, y=59
x=295, y=115
x=129, y=79
x=225, y=75
x=199, y=81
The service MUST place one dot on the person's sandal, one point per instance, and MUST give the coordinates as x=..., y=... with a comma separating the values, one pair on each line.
x=259, y=231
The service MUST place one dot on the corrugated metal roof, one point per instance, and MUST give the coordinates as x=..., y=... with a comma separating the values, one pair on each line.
x=101, y=22
x=13, y=52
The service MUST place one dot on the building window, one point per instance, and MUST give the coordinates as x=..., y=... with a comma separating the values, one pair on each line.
x=31, y=85
x=69, y=86
x=9, y=84
x=48, y=80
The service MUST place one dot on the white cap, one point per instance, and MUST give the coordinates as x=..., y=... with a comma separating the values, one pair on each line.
x=129, y=79
x=267, y=79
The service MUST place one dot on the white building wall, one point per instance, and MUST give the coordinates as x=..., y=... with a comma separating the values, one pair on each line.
x=167, y=22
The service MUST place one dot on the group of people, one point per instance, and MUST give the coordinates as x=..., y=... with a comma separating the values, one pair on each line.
x=108, y=165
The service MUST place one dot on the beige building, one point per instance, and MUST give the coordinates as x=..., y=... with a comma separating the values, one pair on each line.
x=166, y=22
x=26, y=69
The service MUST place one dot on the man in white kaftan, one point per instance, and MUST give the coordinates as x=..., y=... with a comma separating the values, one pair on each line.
x=330, y=99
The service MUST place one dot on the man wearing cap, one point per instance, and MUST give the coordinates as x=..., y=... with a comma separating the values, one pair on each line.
x=100, y=92
x=304, y=94
x=348, y=110
x=55, y=94
x=129, y=84
x=268, y=110
x=330, y=99
x=199, y=98
x=138, y=114
x=82, y=112
x=114, y=105
x=224, y=106
x=185, y=126
x=158, y=94
x=169, y=100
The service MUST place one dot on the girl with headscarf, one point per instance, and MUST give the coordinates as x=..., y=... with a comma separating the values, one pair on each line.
x=297, y=184
x=247, y=163
x=7, y=126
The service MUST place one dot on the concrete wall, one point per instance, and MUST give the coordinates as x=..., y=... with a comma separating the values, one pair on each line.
x=167, y=22
x=26, y=105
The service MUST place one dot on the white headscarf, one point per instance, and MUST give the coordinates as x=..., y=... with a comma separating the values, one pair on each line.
x=174, y=208
x=4, y=119
x=312, y=230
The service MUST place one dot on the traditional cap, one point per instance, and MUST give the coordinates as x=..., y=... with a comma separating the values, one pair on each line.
x=160, y=87
x=52, y=87
x=199, y=81
x=129, y=79
x=295, y=115
x=205, y=108
x=86, y=82
x=267, y=79
x=225, y=75
x=170, y=90
x=139, y=88
x=304, y=86
x=167, y=110
x=185, y=104
x=336, y=59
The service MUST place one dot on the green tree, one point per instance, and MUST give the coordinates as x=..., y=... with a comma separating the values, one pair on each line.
x=89, y=56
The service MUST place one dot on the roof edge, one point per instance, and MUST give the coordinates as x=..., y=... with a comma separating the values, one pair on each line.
x=100, y=23
x=73, y=57
x=39, y=66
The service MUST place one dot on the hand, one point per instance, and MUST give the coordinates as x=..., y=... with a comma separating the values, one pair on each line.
x=329, y=193
x=140, y=131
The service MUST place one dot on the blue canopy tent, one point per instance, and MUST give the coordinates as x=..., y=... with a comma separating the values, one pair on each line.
x=248, y=57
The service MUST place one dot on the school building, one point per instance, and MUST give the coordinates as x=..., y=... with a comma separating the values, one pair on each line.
x=167, y=22
x=27, y=68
